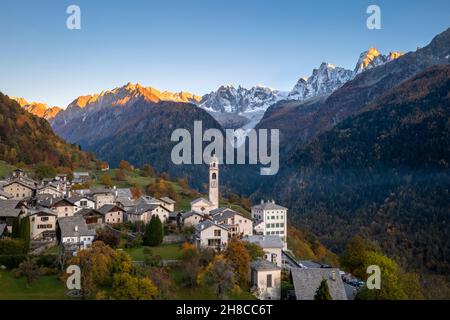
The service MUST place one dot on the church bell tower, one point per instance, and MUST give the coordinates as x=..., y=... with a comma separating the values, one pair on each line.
x=214, y=181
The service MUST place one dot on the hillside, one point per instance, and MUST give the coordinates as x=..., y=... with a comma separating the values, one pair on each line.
x=302, y=122
x=383, y=174
x=30, y=140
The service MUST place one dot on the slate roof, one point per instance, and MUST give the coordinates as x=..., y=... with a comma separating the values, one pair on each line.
x=67, y=227
x=306, y=282
x=207, y=224
x=226, y=214
x=45, y=211
x=167, y=200
x=101, y=191
x=217, y=211
x=76, y=198
x=51, y=201
x=263, y=265
x=86, y=211
x=142, y=208
x=108, y=208
x=266, y=241
x=124, y=193
x=268, y=206
x=8, y=208
x=188, y=214
x=310, y=264
x=201, y=199
x=6, y=194
x=22, y=181
x=126, y=202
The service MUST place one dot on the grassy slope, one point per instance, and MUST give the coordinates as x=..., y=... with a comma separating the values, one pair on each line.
x=44, y=288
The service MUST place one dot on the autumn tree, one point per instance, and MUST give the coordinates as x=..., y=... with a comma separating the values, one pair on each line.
x=191, y=262
x=136, y=192
x=355, y=256
x=96, y=267
x=218, y=274
x=125, y=165
x=45, y=171
x=106, y=180
x=108, y=237
x=183, y=182
x=28, y=269
x=237, y=254
x=162, y=281
x=127, y=287
x=148, y=171
x=120, y=175
x=323, y=292
x=254, y=250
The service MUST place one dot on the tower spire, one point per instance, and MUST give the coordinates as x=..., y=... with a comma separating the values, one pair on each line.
x=214, y=181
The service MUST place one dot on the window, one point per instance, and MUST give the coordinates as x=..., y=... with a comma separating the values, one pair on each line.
x=214, y=176
x=217, y=233
x=44, y=219
x=269, y=281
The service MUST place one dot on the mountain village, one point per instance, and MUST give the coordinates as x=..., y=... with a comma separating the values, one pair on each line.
x=72, y=218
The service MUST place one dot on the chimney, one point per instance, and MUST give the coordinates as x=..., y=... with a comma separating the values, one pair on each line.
x=333, y=275
x=262, y=201
x=76, y=228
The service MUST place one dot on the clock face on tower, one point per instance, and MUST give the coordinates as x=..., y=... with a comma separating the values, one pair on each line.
x=213, y=184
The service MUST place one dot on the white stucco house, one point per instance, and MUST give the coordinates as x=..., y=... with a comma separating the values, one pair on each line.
x=273, y=218
x=237, y=224
x=211, y=235
x=271, y=245
x=73, y=233
x=265, y=279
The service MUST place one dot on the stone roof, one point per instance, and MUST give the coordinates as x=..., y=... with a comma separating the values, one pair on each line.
x=201, y=199
x=207, y=224
x=142, y=208
x=108, y=208
x=188, y=214
x=41, y=211
x=28, y=183
x=148, y=200
x=263, y=265
x=266, y=241
x=126, y=202
x=6, y=194
x=167, y=200
x=217, y=211
x=74, y=226
x=76, y=198
x=268, y=206
x=310, y=264
x=51, y=201
x=124, y=193
x=101, y=191
x=307, y=281
x=9, y=208
x=86, y=211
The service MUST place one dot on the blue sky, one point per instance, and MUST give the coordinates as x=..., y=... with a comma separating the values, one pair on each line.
x=195, y=45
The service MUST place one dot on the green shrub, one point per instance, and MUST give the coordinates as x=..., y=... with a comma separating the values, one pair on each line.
x=12, y=246
x=12, y=261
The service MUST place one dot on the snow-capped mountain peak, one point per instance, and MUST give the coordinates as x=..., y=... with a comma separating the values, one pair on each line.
x=324, y=80
x=373, y=58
